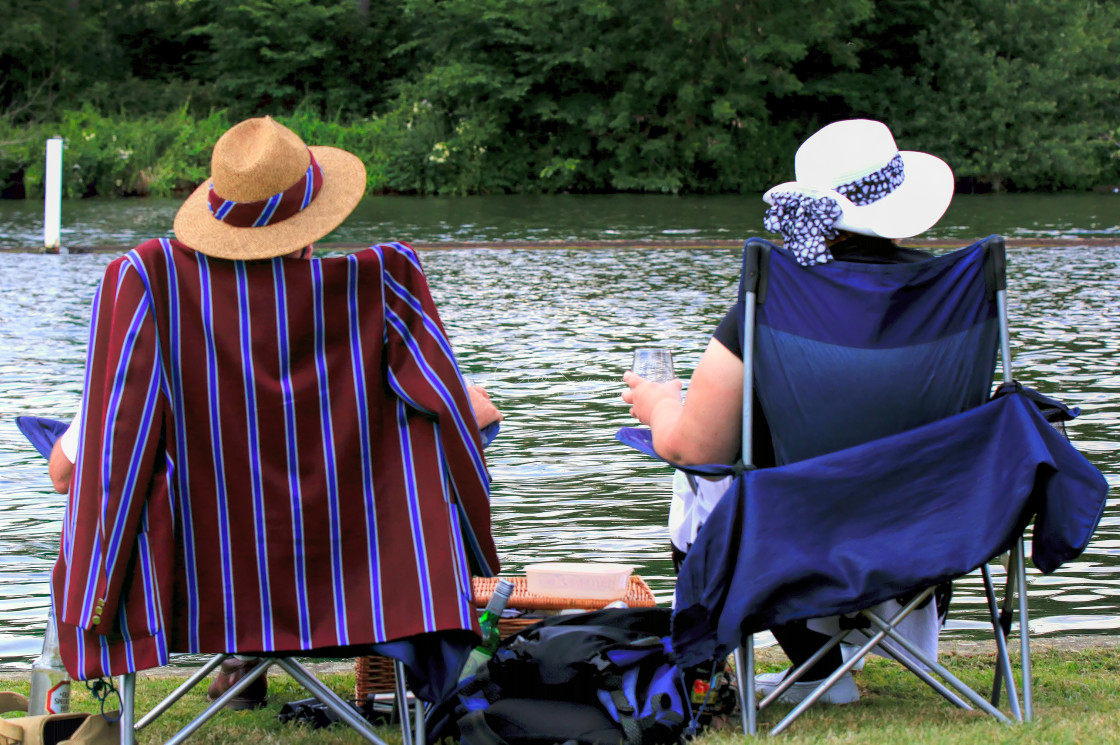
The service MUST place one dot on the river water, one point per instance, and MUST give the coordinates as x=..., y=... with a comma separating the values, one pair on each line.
x=626, y=217
x=549, y=332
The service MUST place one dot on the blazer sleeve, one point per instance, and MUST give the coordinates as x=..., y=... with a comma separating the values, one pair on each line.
x=118, y=446
x=423, y=372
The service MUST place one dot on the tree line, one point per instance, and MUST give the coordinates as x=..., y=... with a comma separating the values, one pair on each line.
x=491, y=96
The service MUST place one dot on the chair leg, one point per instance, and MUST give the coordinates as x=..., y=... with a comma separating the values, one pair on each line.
x=345, y=711
x=846, y=667
x=948, y=677
x=938, y=687
x=127, y=692
x=744, y=675
x=828, y=682
x=219, y=703
x=872, y=640
x=400, y=695
x=1002, y=658
x=179, y=692
x=1006, y=616
x=1024, y=632
x=420, y=733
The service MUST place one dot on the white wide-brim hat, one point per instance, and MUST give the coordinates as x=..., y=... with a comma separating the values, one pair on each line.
x=855, y=153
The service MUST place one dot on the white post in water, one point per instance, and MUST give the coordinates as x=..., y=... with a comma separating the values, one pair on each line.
x=52, y=216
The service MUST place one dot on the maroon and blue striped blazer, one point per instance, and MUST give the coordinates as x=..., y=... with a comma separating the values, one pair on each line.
x=276, y=456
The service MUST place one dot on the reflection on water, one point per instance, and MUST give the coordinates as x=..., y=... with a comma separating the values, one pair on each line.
x=549, y=333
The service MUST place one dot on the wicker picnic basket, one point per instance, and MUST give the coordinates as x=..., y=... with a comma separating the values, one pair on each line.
x=374, y=674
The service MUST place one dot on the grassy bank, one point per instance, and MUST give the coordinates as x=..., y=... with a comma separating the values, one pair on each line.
x=167, y=156
x=1077, y=691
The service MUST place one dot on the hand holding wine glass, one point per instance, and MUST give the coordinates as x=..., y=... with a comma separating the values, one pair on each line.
x=655, y=364
x=650, y=381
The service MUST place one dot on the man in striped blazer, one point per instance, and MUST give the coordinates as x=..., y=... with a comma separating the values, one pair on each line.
x=275, y=454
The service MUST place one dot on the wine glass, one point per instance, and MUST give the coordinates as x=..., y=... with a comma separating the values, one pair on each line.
x=655, y=364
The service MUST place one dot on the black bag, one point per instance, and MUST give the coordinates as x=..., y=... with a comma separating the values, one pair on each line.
x=601, y=677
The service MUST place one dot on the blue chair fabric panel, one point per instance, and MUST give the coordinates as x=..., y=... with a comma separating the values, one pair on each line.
x=878, y=305
x=849, y=529
x=41, y=432
x=434, y=660
x=903, y=345
x=867, y=393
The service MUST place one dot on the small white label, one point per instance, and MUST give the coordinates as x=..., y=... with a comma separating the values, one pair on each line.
x=58, y=698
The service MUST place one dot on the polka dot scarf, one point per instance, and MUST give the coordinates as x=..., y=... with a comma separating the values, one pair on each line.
x=804, y=223
x=874, y=186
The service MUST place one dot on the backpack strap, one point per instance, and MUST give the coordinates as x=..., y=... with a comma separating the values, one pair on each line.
x=626, y=714
x=10, y=733
x=475, y=730
x=611, y=682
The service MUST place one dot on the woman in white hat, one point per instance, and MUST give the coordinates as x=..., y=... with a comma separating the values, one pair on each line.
x=854, y=195
x=854, y=191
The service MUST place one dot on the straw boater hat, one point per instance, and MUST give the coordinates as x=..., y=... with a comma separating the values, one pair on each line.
x=851, y=176
x=268, y=194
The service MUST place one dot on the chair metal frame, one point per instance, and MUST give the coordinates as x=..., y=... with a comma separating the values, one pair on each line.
x=413, y=734
x=886, y=637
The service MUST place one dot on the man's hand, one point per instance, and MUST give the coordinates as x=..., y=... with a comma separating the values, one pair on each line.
x=485, y=413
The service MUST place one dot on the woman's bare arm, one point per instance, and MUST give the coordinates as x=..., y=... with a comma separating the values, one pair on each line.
x=706, y=429
x=60, y=468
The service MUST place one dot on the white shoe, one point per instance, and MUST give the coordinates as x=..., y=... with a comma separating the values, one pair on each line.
x=844, y=691
x=848, y=651
x=770, y=679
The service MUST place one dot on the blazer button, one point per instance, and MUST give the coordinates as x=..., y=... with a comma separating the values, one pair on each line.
x=95, y=619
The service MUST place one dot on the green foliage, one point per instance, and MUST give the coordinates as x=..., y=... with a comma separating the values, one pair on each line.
x=1012, y=94
x=114, y=55
x=272, y=56
x=1029, y=78
x=365, y=138
x=621, y=95
x=100, y=156
x=490, y=96
x=1111, y=142
x=185, y=162
x=33, y=42
x=162, y=156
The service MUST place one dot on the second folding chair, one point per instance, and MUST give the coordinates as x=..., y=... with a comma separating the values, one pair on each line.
x=894, y=471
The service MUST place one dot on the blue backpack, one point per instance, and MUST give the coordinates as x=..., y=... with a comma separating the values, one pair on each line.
x=601, y=677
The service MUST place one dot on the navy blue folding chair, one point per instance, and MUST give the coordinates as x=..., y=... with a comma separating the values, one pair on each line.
x=896, y=469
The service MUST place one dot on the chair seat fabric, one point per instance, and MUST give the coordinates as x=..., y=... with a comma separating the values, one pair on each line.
x=276, y=456
x=841, y=532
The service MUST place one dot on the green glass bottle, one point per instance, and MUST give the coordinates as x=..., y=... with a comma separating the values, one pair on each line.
x=491, y=637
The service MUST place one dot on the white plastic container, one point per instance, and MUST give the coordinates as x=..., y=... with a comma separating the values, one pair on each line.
x=583, y=581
